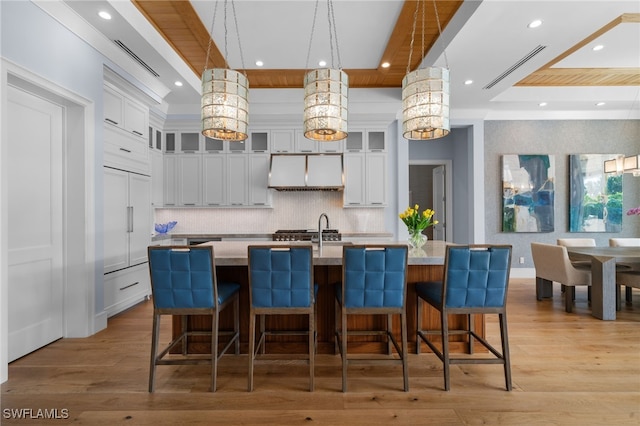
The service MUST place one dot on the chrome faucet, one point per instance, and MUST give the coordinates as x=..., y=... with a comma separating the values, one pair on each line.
x=320, y=229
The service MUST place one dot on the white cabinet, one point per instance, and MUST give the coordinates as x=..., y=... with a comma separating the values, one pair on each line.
x=124, y=112
x=215, y=180
x=259, y=193
x=365, y=169
x=127, y=219
x=354, y=188
x=238, y=179
x=170, y=174
x=157, y=178
x=376, y=179
x=305, y=145
x=125, y=288
x=282, y=140
x=190, y=179
x=125, y=151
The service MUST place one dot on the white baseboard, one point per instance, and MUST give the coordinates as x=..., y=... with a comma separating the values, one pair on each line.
x=100, y=321
x=522, y=273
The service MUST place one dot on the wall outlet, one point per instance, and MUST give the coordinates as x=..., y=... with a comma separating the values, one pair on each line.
x=521, y=260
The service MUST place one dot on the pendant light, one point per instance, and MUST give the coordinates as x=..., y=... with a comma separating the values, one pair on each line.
x=225, y=93
x=326, y=91
x=425, y=93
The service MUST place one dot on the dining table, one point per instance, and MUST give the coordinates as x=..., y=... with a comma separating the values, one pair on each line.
x=603, y=275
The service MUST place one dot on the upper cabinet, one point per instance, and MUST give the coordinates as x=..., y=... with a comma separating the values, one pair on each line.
x=365, y=169
x=125, y=112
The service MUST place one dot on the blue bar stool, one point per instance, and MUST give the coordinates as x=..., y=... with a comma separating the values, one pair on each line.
x=280, y=283
x=183, y=282
x=374, y=281
x=475, y=282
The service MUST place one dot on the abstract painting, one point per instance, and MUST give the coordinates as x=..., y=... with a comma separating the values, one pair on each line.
x=595, y=197
x=528, y=193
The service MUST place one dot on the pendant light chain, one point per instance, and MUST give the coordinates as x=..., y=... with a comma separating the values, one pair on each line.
x=313, y=27
x=235, y=20
x=413, y=35
x=332, y=24
x=206, y=62
x=444, y=51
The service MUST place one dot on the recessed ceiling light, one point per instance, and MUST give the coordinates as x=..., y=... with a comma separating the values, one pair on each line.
x=600, y=103
x=468, y=82
x=104, y=15
x=322, y=63
x=178, y=83
x=385, y=65
x=598, y=47
x=534, y=24
x=542, y=104
x=259, y=63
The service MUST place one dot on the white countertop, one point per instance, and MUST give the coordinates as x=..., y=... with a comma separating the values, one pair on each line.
x=234, y=253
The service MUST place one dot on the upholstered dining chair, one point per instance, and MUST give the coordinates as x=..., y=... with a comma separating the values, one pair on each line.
x=627, y=272
x=552, y=263
x=374, y=282
x=280, y=283
x=183, y=282
x=476, y=278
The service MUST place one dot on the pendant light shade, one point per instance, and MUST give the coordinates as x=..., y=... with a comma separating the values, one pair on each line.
x=425, y=104
x=325, y=104
x=225, y=105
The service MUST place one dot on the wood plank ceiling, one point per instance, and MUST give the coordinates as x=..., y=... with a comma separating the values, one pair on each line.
x=179, y=24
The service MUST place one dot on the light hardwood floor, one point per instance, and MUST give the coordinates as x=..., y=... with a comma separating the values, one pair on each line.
x=568, y=369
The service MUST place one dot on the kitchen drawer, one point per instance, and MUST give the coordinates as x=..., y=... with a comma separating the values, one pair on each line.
x=125, y=151
x=125, y=288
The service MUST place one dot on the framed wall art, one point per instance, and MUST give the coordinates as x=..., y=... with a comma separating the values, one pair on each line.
x=595, y=197
x=528, y=193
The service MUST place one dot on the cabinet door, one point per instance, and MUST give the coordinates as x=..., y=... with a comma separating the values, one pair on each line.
x=337, y=146
x=376, y=141
x=157, y=178
x=170, y=174
x=259, y=193
x=237, y=179
x=305, y=145
x=116, y=219
x=140, y=218
x=215, y=179
x=282, y=140
x=190, y=180
x=136, y=118
x=113, y=107
x=354, y=188
x=376, y=181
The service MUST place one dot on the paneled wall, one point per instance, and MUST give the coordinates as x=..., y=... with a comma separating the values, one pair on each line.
x=560, y=138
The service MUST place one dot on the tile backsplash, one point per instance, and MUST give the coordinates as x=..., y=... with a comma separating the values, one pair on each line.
x=291, y=210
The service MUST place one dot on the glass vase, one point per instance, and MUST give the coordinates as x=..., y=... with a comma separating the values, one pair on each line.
x=417, y=239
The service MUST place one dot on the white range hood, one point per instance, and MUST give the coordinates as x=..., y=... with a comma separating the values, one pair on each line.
x=306, y=172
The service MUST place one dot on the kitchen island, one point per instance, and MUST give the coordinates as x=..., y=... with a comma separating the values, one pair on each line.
x=426, y=264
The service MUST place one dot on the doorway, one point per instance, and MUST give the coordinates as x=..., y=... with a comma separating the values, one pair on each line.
x=430, y=187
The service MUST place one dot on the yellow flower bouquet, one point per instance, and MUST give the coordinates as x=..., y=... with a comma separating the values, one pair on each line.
x=416, y=223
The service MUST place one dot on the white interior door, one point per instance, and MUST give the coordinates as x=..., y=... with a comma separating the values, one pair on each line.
x=439, y=203
x=35, y=246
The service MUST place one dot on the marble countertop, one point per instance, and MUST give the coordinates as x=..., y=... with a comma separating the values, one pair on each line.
x=249, y=236
x=234, y=253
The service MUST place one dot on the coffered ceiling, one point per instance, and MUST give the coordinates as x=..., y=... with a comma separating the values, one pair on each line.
x=513, y=68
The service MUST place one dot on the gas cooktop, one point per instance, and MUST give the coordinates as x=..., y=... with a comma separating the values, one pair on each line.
x=306, y=235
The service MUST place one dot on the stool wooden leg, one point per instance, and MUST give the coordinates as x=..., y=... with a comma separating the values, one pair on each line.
x=155, y=336
x=252, y=343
